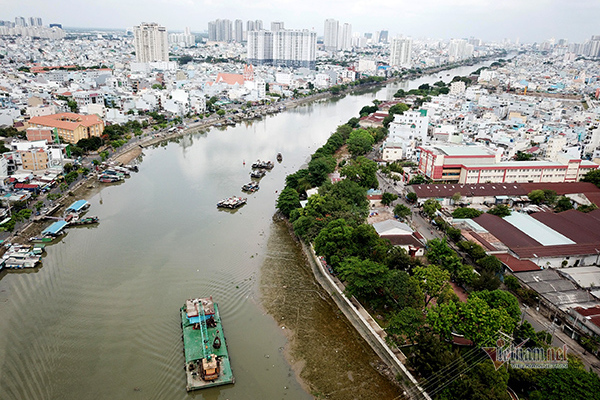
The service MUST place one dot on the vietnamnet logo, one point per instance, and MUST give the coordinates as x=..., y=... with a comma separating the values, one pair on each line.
x=522, y=357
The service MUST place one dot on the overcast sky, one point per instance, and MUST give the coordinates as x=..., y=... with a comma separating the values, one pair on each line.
x=529, y=20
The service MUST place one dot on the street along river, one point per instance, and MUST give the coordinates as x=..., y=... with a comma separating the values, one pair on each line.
x=100, y=318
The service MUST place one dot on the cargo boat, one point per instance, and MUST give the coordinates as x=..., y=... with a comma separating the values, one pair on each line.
x=257, y=174
x=263, y=165
x=251, y=187
x=232, y=202
x=207, y=361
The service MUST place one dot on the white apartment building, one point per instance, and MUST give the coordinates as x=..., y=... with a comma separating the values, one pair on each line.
x=410, y=125
x=400, y=52
x=555, y=146
x=332, y=31
x=260, y=47
x=185, y=39
x=459, y=49
x=286, y=48
x=294, y=48
x=345, y=38
x=150, y=42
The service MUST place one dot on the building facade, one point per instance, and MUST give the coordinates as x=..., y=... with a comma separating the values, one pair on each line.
x=295, y=48
x=71, y=127
x=35, y=159
x=287, y=48
x=400, y=52
x=332, y=31
x=260, y=47
x=150, y=40
x=220, y=30
x=474, y=164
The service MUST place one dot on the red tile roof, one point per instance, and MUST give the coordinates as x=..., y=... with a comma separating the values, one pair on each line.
x=230, y=79
x=516, y=265
x=68, y=121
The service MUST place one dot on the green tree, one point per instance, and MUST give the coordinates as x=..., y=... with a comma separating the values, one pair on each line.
x=432, y=280
x=366, y=110
x=475, y=319
x=593, y=177
x=466, y=212
x=334, y=242
x=490, y=263
x=431, y=355
x=363, y=171
x=387, y=198
x=483, y=381
x=403, y=290
x=418, y=180
x=402, y=211
x=368, y=245
x=319, y=168
x=287, y=201
x=407, y=322
x=520, y=156
x=412, y=197
x=501, y=299
x=399, y=108
x=486, y=280
x=430, y=207
x=398, y=258
x=563, y=204
x=572, y=383
x=360, y=142
x=363, y=277
x=587, y=208
x=500, y=210
x=511, y=282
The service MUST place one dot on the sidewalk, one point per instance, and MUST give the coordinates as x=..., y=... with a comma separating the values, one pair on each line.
x=559, y=338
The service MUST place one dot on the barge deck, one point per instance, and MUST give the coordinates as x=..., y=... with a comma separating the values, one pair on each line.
x=207, y=361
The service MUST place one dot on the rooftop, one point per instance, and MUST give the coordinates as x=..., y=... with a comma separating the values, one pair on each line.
x=537, y=230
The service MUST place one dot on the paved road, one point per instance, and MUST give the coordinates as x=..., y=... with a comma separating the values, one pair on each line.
x=559, y=338
x=416, y=221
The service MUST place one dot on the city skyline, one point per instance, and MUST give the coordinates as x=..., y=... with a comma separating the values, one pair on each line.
x=533, y=21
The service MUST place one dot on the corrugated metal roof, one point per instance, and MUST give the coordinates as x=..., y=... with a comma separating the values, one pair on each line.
x=78, y=205
x=538, y=231
x=585, y=277
x=54, y=228
x=577, y=226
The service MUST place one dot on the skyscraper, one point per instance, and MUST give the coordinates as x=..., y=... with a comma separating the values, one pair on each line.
x=258, y=25
x=332, y=31
x=288, y=48
x=184, y=39
x=250, y=26
x=459, y=49
x=295, y=48
x=260, y=47
x=150, y=42
x=220, y=30
x=20, y=21
x=345, y=38
x=239, y=31
x=276, y=26
x=383, y=37
x=400, y=52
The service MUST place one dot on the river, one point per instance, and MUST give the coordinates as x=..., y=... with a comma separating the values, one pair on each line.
x=100, y=318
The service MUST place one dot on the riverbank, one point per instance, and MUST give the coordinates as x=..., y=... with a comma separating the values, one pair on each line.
x=328, y=356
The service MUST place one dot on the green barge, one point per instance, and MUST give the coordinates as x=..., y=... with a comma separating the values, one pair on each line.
x=207, y=361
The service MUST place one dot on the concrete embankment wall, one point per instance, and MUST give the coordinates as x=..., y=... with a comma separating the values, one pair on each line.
x=358, y=316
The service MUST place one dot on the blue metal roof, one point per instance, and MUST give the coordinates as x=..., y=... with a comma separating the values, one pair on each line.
x=54, y=228
x=78, y=205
